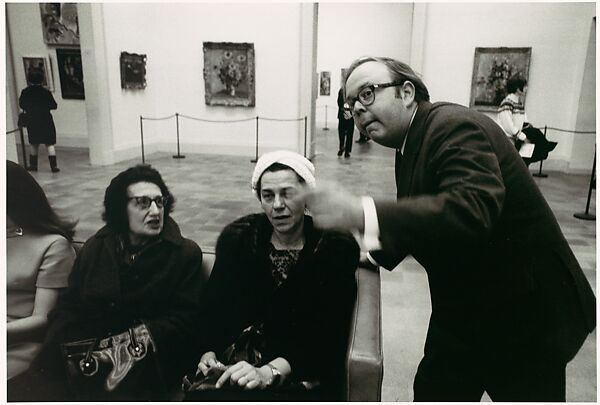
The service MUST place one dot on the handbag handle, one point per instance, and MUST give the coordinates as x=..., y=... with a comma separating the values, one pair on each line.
x=135, y=348
x=89, y=365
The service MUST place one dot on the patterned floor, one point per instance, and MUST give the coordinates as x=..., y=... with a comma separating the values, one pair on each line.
x=212, y=191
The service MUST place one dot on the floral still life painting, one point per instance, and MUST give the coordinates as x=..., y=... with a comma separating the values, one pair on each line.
x=229, y=73
x=491, y=69
x=60, y=24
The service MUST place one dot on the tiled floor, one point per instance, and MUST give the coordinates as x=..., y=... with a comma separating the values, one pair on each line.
x=213, y=190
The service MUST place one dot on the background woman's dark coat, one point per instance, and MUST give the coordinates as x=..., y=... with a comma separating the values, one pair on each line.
x=37, y=102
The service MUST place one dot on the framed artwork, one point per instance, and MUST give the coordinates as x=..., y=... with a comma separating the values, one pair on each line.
x=60, y=24
x=133, y=71
x=325, y=84
x=229, y=73
x=343, y=74
x=41, y=63
x=492, y=67
x=70, y=72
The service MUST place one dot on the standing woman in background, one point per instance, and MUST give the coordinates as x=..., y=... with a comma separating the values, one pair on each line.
x=37, y=102
x=39, y=258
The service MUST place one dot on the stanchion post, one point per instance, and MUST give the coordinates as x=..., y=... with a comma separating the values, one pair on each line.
x=586, y=215
x=539, y=173
x=142, y=136
x=256, y=155
x=23, y=147
x=178, y=155
x=325, y=129
x=305, y=134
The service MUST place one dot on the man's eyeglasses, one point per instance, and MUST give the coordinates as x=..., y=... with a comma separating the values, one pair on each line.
x=366, y=95
x=144, y=202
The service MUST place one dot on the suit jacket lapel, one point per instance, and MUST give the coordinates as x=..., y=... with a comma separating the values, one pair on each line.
x=405, y=170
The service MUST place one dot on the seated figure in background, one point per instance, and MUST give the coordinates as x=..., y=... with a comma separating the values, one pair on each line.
x=514, y=122
x=124, y=327
x=39, y=258
x=277, y=307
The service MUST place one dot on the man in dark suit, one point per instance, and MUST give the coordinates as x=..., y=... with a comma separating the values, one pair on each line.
x=510, y=304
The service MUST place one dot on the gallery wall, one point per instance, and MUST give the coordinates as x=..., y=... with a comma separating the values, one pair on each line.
x=558, y=34
x=350, y=30
x=25, y=27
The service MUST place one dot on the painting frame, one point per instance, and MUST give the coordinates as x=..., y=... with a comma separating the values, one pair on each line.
x=229, y=73
x=325, y=83
x=43, y=63
x=133, y=71
x=70, y=73
x=60, y=23
x=492, y=67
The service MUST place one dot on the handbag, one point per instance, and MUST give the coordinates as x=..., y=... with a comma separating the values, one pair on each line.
x=113, y=367
x=247, y=347
x=22, y=120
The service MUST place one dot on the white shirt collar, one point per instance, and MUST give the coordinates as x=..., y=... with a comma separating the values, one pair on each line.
x=408, y=130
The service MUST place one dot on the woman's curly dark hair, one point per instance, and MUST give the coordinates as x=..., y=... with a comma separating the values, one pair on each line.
x=116, y=198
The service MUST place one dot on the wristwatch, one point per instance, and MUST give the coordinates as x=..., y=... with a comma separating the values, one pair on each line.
x=276, y=375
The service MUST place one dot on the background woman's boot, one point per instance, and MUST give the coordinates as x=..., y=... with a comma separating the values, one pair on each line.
x=53, y=165
x=33, y=160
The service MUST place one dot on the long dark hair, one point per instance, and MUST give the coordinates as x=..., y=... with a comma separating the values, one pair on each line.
x=115, y=196
x=28, y=206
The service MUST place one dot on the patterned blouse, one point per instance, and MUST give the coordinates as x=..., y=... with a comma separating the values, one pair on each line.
x=281, y=262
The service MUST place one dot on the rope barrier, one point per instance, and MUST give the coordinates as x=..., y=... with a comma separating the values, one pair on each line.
x=12, y=131
x=217, y=121
x=158, y=119
x=257, y=118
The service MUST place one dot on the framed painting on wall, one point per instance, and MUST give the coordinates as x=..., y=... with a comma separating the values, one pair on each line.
x=492, y=67
x=229, y=73
x=70, y=72
x=133, y=71
x=42, y=64
x=325, y=84
x=60, y=24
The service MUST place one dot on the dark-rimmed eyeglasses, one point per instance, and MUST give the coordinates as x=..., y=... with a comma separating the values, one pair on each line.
x=366, y=95
x=143, y=202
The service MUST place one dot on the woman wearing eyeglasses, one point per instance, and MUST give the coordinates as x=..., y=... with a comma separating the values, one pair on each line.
x=134, y=293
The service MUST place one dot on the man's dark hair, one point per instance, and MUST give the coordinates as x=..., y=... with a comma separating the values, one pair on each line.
x=400, y=72
x=275, y=167
x=28, y=206
x=515, y=83
x=116, y=198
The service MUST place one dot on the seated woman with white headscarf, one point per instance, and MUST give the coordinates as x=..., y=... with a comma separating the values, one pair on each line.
x=277, y=308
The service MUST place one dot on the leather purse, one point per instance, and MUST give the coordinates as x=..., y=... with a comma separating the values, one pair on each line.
x=22, y=120
x=112, y=367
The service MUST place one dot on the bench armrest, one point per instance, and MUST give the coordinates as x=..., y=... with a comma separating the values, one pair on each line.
x=364, y=363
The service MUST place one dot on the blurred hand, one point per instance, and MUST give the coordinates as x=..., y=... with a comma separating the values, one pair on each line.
x=208, y=360
x=245, y=375
x=332, y=207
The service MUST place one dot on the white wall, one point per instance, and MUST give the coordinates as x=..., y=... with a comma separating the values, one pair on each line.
x=350, y=30
x=175, y=80
x=558, y=34
x=27, y=40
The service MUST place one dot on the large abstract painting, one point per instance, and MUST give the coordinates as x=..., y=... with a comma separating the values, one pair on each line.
x=70, y=72
x=60, y=24
x=229, y=73
x=491, y=69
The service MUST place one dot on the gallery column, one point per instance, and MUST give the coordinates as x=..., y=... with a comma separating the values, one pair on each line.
x=308, y=74
x=95, y=73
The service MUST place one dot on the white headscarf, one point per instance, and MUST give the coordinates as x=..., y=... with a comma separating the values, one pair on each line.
x=298, y=163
